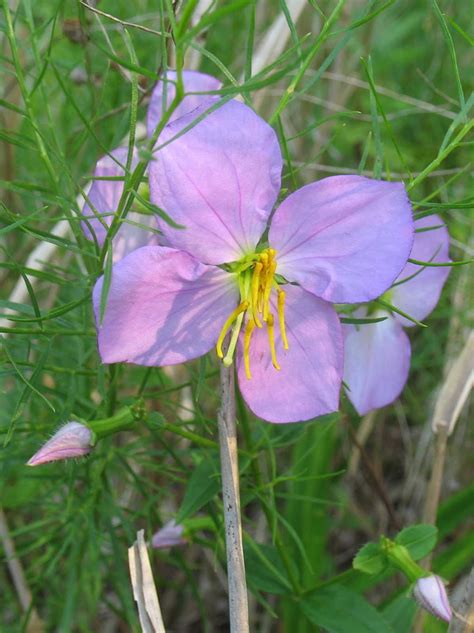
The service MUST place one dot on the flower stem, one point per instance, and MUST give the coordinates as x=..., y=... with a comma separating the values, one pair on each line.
x=238, y=606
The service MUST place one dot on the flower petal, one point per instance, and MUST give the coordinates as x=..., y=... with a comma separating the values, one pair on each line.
x=376, y=363
x=419, y=294
x=105, y=194
x=130, y=236
x=430, y=593
x=220, y=180
x=193, y=82
x=71, y=440
x=344, y=238
x=163, y=307
x=309, y=380
x=170, y=535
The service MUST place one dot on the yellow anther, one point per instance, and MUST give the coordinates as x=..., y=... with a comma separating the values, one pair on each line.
x=254, y=292
x=281, y=317
x=271, y=340
x=225, y=328
x=249, y=328
x=268, y=288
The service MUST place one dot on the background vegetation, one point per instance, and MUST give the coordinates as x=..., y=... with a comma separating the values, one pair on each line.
x=382, y=89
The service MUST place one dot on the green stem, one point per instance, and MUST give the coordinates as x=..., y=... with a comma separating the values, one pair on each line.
x=123, y=420
x=400, y=558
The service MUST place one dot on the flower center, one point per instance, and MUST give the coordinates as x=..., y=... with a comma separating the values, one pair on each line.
x=256, y=275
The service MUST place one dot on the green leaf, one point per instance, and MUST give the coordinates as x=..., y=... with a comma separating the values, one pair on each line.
x=106, y=283
x=400, y=613
x=418, y=539
x=355, y=321
x=203, y=486
x=339, y=610
x=370, y=559
x=393, y=308
x=264, y=569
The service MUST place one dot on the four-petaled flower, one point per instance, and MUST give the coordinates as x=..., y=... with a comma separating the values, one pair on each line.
x=377, y=356
x=343, y=239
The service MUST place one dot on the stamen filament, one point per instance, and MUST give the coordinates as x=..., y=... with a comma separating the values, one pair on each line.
x=229, y=357
x=254, y=292
x=225, y=328
x=262, y=280
x=268, y=288
x=271, y=340
x=249, y=328
x=281, y=317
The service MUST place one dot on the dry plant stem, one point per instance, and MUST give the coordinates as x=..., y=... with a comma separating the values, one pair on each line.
x=16, y=570
x=463, y=621
x=434, y=487
x=238, y=604
x=363, y=432
x=144, y=590
x=378, y=486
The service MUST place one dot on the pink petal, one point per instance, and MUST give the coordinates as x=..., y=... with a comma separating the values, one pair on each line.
x=344, y=238
x=71, y=440
x=170, y=535
x=163, y=307
x=376, y=362
x=309, y=380
x=220, y=180
x=105, y=194
x=193, y=82
x=419, y=295
x=130, y=236
x=430, y=593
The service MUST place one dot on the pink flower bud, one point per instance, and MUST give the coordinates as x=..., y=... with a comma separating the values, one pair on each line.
x=430, y=594
x=169, y=536
x=71, y=440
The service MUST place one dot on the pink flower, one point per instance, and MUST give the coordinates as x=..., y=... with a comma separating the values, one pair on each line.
x=105, y=194
x=71, y=440
x=430, y=594
x=165, y=91
x=343, y=239
x=377, y=356
x=169, y=535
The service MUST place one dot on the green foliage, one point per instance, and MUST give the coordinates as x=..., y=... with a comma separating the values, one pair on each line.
x=202, y=487
x=370, y=559
x=337, y=608
x=419, y=540
x=377, y=88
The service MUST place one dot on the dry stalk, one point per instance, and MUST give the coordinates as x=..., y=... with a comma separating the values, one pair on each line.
x=35, y=625
x=238, y=603
x=144, y=590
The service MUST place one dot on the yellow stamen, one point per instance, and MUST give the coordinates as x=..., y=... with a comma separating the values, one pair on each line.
x=229, y=357
x=254, y=291
x=225, y=328
x=271, y=339
x=268, y=288
x=249, y=328
x=281, y=317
